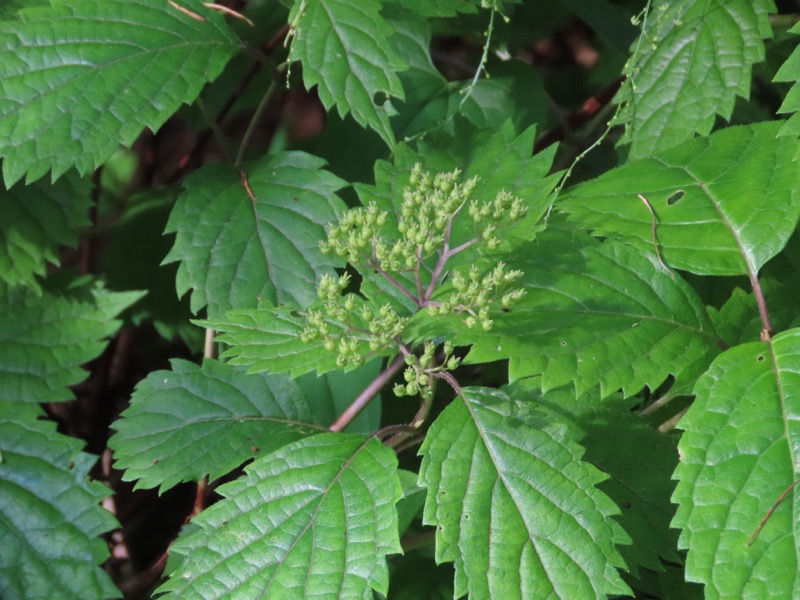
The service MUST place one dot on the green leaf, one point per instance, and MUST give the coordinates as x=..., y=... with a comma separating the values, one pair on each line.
x=34, y=221
x=345, y=52
x=724, y=205
x=50, y=516
x=268, y=339
x=790, y=72
x=639, y=462
x=80, y=77
x=594, y=314
x=439, y=8
x=740, y=452
x=235, y=251
x=513, y=504
x=410, y=506
x=195, y=421
x=692, y=60
x=44, y=339
x=316, y=516
x=330, y=394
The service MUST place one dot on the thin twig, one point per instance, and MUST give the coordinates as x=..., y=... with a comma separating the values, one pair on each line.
x=251, y=127
x=375, y=265
x=668, y=425
x=482, y=63
x=228, y=11
x=216, y=130
x=766, y=323
x=187, y=12
x=368, y=394
x=769, y=513
x=654, y=225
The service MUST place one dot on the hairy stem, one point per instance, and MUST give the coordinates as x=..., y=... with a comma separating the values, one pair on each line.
x=368, y=394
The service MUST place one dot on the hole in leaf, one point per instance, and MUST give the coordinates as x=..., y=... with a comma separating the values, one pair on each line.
x=760, y=358
x=563, y=342
x=379, y=99
x=676, y=197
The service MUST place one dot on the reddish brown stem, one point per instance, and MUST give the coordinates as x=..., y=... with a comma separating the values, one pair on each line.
x=368, y=394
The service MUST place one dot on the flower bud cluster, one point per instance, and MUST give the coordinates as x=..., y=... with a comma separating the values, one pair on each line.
x=347, y=325
x=355, y=233
x=490, y=217
x=477, y=296
x=422, y=369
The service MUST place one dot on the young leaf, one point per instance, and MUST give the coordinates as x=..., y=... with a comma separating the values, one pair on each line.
x=513, y=504
x=80, y=77
x=50, y=514
x=44, y=339
x=195, y=421
x=692, y=60
x=740, y=452
x=236, y=250
x=721, y=205
x=268, y=339
x=790, y=72
x=594, y=314
x=34, y=221
x=315, y=516
x=344, y=51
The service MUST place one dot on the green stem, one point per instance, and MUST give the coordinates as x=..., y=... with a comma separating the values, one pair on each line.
x=215, y=129
x=251, y=127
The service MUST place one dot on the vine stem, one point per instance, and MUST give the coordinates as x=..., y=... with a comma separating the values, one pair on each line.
x=368, y=394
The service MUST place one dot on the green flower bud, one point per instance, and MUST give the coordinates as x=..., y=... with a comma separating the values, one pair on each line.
x=409, y=375
x=410, y=359
x=412, y=389
x=452, y=363
x=399, y=390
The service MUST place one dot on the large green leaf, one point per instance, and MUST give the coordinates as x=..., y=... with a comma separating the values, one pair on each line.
x=513, y=504
x=724, y=205
x=594, y=314
x=345, y=52
x=195, y=421
x=639, y=462
x=34, y=221
x=314, y=517
x=790, y=72
x=50, y=517
x=740, y=452
x=693, y=59
x=80, y=77
x=236, y=250
x=45, y=338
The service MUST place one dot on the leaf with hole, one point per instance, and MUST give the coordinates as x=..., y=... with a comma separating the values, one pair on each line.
x=722, y=205
x=740, y=452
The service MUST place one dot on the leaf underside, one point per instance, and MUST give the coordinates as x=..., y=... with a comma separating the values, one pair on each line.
x=739, y=453
x=513, y=504
x=80, y=77
x=315, y=516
